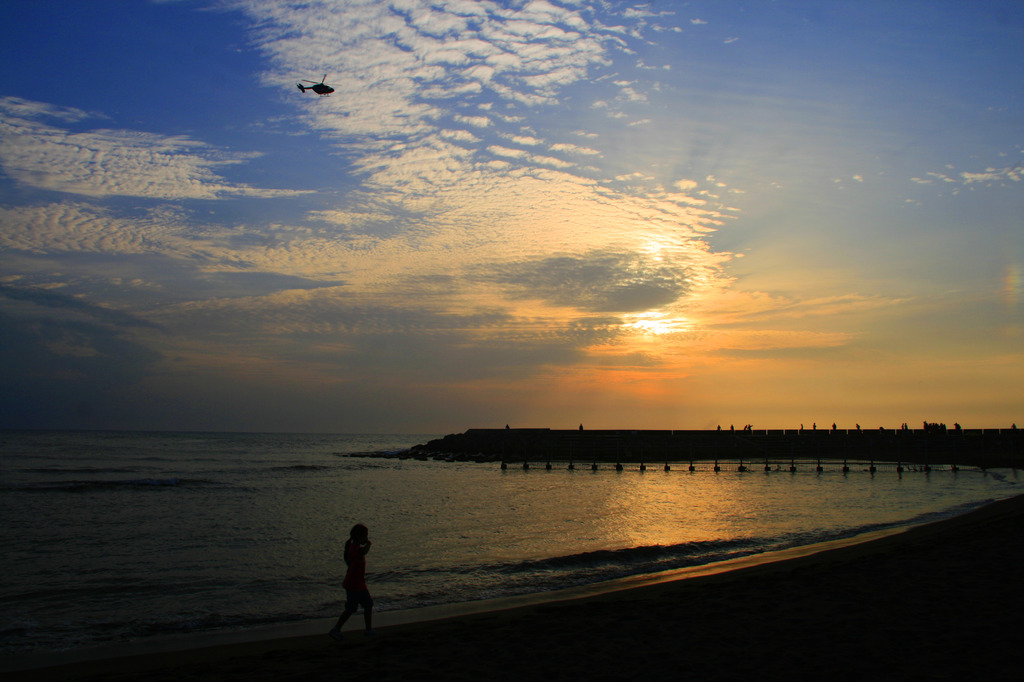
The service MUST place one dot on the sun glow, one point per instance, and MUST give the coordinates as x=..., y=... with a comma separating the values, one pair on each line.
x=1013, y=285
x=656, y=323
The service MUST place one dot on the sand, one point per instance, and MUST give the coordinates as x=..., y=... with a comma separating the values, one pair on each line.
x=938, y=602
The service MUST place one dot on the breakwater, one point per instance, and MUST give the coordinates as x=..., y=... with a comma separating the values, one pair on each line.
x=926, y=447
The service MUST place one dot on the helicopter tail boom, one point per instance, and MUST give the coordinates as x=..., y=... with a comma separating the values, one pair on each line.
x=299, y=86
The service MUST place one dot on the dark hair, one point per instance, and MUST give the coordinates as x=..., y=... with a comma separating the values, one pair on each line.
x=357, y=530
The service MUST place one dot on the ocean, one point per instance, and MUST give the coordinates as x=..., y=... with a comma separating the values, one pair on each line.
x=118, y=537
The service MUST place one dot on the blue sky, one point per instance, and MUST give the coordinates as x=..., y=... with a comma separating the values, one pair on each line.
x=664, y=215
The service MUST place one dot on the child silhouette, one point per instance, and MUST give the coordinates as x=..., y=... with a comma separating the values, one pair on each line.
x=356, y=592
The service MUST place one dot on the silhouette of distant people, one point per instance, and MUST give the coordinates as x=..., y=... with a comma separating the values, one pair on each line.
x=356, y=592
x=581, y=427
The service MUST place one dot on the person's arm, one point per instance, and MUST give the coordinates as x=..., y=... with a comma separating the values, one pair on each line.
x=365, y=548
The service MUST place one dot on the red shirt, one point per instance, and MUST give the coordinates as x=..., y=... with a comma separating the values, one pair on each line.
x=355, y=576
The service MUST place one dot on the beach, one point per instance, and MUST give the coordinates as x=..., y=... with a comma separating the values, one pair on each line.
x=935, y=602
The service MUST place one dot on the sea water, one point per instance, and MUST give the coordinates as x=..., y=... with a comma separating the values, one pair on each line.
x=110, y=538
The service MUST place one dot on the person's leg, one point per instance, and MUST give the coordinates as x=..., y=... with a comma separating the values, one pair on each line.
x=351, y=606
x=366, y=601
x=342, y=619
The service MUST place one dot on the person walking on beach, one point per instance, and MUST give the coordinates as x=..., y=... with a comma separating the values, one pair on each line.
x=356, y=592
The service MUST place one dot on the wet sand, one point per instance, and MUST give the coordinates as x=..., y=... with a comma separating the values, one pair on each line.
x=938, y=602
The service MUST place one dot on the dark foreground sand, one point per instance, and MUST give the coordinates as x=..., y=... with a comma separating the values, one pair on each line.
x=939, y=602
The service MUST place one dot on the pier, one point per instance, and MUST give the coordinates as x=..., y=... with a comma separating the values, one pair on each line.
x=753, y=450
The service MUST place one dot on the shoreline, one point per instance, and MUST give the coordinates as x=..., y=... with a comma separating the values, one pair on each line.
x=384, y=620
x=740, y=605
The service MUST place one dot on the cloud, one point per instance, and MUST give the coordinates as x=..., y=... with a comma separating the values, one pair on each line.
x=476, y=121
x=628, y=93
x=27, y=109
x=575, y=149
x=63, y=230
x=462, y=180
x=63, y=358
x=994, y=175
x=989, y=176
x=51, y=299
x=597, y=282
x=102, y=163
x=84, y=229
x=525, y=140
x=460, y=136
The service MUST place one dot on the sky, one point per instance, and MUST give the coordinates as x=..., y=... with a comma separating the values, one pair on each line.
x=542, y=213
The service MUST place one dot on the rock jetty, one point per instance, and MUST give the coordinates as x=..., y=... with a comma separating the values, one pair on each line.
x=931, y=445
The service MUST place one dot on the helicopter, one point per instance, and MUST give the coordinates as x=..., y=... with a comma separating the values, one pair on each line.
x=318, y=88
